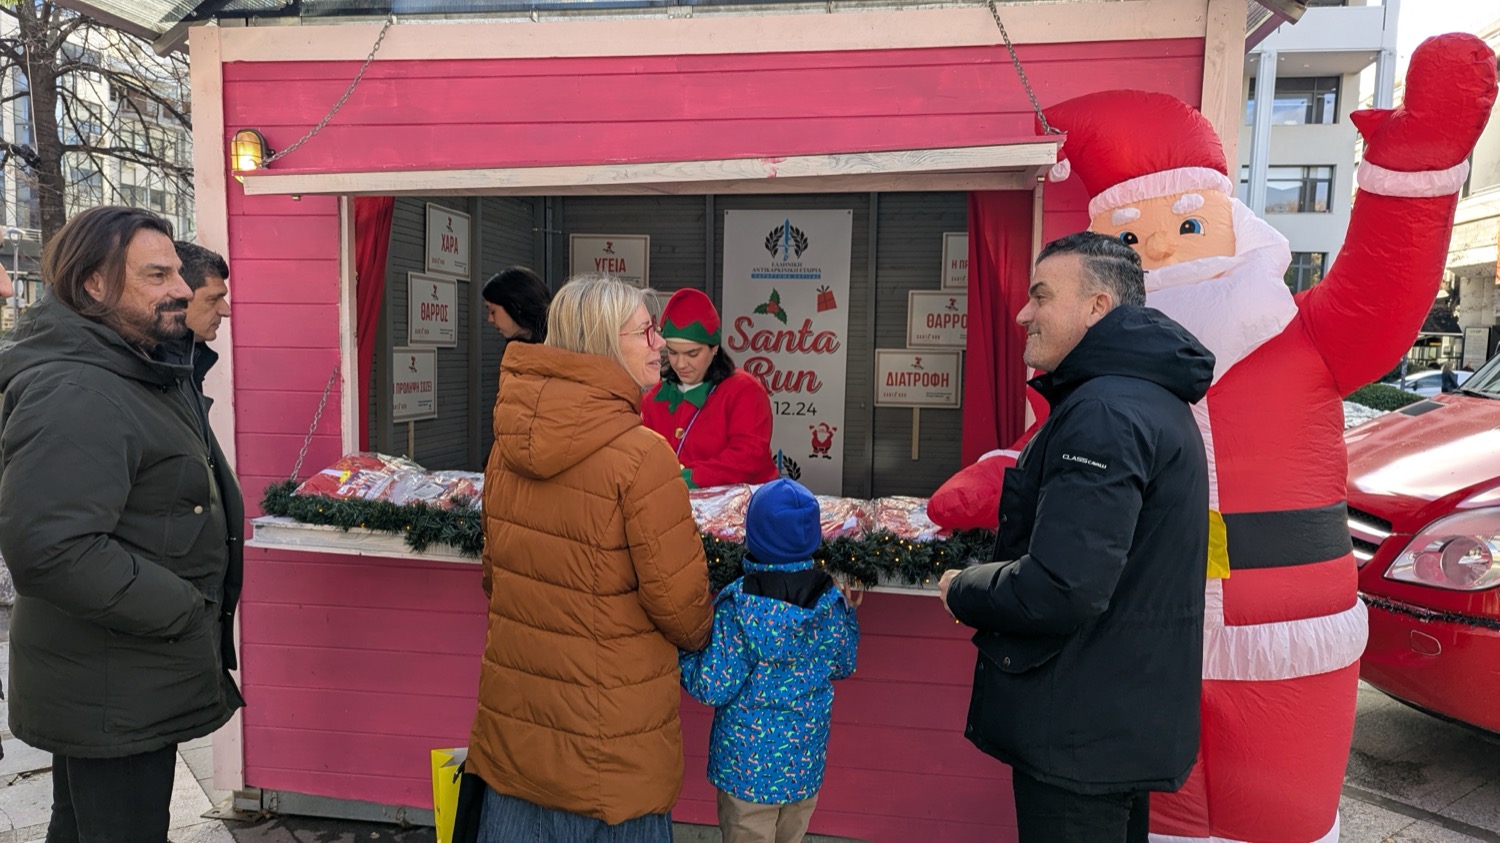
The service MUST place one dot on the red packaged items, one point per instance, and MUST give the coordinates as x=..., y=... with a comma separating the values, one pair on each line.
x=843, y=517
x=720, y=510
x=362, y=475
x=906, y=517
x=434, y=488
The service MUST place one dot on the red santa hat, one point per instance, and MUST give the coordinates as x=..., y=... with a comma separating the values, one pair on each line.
x=690, y=315
x=1129, y=146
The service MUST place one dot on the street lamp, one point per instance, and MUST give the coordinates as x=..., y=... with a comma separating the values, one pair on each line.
x=14, y=236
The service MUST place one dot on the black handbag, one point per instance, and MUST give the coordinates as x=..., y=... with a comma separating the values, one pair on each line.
x=470, y=808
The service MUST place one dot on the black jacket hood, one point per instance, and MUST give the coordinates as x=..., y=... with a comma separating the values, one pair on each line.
x=1136, y=342
x=51, y=332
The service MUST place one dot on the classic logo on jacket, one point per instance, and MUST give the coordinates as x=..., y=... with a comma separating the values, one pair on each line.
x=1086, y=461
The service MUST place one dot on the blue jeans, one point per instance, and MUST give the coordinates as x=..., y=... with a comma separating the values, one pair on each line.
x=507, y=819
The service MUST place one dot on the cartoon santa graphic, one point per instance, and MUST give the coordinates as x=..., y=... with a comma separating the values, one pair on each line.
x=1284, y=627
x=822, y=440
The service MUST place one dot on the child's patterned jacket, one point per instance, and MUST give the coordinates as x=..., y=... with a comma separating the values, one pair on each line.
x=781, y=635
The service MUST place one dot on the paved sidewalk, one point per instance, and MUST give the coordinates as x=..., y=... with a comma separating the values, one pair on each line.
x=26, y=788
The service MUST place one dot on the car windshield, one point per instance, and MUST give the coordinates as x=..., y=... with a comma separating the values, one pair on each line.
x=1486, y=381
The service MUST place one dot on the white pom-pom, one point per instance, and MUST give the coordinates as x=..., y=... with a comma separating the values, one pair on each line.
x=1060, y=171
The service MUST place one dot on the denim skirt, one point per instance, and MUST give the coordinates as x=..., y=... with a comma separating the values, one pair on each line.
x=506, y=819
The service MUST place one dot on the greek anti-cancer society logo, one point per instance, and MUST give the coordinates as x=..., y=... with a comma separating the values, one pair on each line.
x=787, y=239
x=786, y=244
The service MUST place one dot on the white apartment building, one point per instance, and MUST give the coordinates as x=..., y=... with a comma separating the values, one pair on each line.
x=1472, y=253
x=1297, y=157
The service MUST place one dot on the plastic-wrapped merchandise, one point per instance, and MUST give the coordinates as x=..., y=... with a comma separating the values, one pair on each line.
x=906, y=517
x=844, y=517
x=362, y=475
x=720, y=510
x=434, y=488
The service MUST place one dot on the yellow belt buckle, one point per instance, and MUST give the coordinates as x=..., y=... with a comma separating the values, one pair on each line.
x=1218, y=546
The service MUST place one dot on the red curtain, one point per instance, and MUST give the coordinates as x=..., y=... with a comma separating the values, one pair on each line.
x=999, y=275
x=372, y=239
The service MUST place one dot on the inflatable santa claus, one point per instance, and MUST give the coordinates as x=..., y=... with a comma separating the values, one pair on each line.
x=1284, y=627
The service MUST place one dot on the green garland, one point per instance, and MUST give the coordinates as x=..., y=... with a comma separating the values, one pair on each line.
x=878, y=557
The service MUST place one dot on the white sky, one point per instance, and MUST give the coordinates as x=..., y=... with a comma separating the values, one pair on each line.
x=1421, y=19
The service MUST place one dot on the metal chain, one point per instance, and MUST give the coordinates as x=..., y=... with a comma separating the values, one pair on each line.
x=317, y=417
x=389, y=19
x=1047, y=128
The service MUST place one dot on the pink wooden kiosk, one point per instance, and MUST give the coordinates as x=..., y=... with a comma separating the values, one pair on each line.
x=356, y=661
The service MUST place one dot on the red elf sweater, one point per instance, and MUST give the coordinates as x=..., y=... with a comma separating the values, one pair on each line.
x=725, y=440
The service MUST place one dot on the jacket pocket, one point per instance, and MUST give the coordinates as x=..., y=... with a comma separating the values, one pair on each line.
x=160, y=685
x=192, y=505
x=1014, y=654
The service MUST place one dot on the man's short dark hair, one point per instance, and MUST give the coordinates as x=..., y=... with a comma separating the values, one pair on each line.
x=198, y=263
x=525, y=298
x=1109, y=265
x=95, y=241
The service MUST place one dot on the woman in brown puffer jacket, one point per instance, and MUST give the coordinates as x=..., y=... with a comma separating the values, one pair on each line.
x=596, y=577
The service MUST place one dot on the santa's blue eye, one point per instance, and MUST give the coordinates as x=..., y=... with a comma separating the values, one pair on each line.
x=1191, y=225
x=1129, y=238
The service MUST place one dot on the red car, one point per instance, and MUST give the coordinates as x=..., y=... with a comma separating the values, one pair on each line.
x=1424, y=514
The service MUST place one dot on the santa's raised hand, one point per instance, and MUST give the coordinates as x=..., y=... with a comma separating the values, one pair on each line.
x=1449, y=94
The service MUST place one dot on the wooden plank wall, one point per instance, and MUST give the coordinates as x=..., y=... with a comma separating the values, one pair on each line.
x=507, y=242
x=443, y=442
x=555, y=111
x=909, y=256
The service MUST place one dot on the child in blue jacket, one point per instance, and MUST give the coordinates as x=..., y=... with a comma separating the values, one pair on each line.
x=782, y=633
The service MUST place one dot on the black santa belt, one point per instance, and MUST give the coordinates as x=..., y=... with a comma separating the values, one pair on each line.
x=1288, y=537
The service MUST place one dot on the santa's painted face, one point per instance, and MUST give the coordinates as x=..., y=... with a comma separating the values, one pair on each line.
x=1173, y=229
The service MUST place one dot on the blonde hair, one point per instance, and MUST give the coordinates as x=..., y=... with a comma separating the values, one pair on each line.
x=588, y=313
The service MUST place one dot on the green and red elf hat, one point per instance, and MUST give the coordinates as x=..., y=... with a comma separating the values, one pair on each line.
x=690, y=315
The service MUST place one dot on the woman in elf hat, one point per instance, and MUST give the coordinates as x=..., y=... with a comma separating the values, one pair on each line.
x=717, y=418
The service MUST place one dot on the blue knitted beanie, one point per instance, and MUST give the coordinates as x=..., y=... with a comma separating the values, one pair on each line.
x=782, y=523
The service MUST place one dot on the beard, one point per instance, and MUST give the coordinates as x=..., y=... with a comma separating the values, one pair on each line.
x=166, y=322
x=1235, y=303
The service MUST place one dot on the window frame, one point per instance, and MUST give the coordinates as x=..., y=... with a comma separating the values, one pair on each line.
x=1307, y=179
x=1303, y=266
x=1316, y=111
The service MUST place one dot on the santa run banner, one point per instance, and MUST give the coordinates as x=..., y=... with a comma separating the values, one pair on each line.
x=786, y=294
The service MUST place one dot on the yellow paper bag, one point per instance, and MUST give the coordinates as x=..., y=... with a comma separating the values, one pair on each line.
x=447, y=769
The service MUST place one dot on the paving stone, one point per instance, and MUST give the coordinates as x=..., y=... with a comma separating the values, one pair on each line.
x=205, y=831
x=1363, y=821
x=26, y=803
x=20, y=758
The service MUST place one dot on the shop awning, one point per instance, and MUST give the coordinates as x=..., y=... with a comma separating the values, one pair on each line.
x=1012, y=166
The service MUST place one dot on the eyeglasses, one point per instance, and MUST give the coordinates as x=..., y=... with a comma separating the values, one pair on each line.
x=650, y=332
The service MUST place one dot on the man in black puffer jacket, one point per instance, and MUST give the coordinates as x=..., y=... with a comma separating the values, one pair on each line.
x=1090, y=619
x=113, y=524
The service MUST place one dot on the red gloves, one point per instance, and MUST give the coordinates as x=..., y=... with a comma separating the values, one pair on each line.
x=1450, y=89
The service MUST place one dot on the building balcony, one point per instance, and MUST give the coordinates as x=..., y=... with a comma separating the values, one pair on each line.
x=1328, y=41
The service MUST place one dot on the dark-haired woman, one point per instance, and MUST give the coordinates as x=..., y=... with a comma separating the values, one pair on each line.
x=716, y=418
x=515, y=302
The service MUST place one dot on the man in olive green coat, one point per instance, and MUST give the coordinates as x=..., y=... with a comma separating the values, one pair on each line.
x=207, y=275
x=113, y=525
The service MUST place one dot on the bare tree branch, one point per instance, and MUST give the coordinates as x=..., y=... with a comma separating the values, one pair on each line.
x=105, y=114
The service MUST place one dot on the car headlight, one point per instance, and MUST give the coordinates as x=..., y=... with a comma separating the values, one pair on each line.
x=1460, y=553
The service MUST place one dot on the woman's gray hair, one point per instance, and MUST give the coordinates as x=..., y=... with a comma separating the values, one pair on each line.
x=588, y=313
